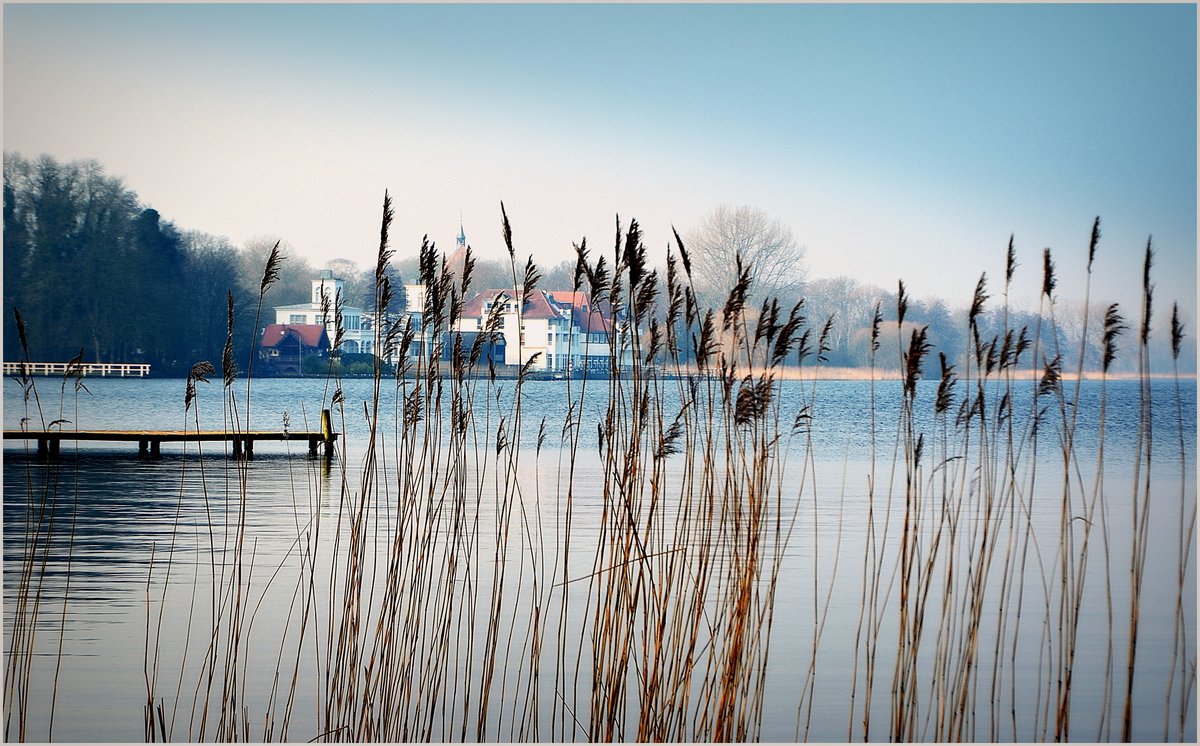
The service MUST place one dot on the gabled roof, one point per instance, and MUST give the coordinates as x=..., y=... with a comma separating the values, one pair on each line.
x=591, y=320
x=589, y=317
x=574, y=298
x=474, y=307
x=310, y=335
x=537, y=305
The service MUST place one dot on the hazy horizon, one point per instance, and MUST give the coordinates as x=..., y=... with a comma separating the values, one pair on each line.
x=897, y=142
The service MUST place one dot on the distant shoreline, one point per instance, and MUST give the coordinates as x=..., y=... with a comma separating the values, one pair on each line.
x=861, y=374
x=787, y=373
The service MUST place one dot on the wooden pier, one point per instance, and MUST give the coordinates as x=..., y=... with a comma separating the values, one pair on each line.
x=150, y=441
x=104, y=370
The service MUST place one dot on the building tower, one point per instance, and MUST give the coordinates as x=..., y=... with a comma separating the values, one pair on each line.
x=334, y=288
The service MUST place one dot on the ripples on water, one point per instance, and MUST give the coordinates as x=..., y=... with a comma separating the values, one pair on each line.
x=128, y=512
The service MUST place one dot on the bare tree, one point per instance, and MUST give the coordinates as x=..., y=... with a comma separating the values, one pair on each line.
x=850, y=304
x=295, y=273
x=360, y=284
x=765, y=245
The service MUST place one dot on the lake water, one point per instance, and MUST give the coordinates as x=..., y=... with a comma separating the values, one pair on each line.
x=490, y=548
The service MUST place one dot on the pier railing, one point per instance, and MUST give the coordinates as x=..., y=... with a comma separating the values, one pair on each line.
x=105, y=370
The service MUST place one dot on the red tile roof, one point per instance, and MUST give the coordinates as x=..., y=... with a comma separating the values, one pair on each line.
x=311, y=335
x=570, y=297
x=589, y=317
x=474, y=307
x=537, y=306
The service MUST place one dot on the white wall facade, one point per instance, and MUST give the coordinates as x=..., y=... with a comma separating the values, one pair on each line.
x=358, y=335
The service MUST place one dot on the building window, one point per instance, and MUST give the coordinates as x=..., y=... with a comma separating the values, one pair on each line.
x=297, y=318
x=352, y=323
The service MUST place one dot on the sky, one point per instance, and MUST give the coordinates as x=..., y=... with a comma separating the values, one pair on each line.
x=896, y=141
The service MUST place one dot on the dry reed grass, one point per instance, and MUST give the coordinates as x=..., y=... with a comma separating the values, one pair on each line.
x=445, y=600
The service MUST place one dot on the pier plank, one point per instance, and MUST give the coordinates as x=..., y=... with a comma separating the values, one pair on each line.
x=150, y=441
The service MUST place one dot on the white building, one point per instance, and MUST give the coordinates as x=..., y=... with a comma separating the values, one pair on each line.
x=564, y=329
x=358, y=336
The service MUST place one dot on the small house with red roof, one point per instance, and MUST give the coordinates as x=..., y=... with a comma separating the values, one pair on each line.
x=357, y=336
x=284, y=347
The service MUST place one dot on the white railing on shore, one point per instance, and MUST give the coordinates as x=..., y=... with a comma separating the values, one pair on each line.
x=115, y=370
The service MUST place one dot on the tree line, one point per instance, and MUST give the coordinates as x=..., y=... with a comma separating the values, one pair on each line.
x=91, y=269
x=94, y=270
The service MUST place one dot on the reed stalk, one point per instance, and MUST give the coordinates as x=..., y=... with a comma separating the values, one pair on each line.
x=429, y=591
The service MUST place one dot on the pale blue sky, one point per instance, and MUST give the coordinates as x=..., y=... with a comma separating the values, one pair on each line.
x=897, y=141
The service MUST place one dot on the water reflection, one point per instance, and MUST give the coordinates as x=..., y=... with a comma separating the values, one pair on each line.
x=116, y=516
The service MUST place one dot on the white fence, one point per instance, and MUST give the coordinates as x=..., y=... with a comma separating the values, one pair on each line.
x=105, y=370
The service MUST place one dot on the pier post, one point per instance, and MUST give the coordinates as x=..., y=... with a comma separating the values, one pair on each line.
x=327, y=433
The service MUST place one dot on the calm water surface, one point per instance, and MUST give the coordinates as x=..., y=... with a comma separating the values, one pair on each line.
x=122, y=518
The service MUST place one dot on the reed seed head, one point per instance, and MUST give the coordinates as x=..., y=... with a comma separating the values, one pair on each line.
x=530, y=281
x=1048, y=281
x=823, y=345
x=1092, y=244
x=683, y=255
x=668, y=443
x=1051, y=377
x=918, y=348
x=1010, y=263
x=1114, y=326
x=979, y=299
x=199, y=373
x=945, y=393
x=20, y=320
x=736, y=302
x=876, y=322
x=753, y=400
x=581, y=264
x=1176, y=331
x=271, y=270
x=1147, y=291
x=385, y=224
x=468, y=269
x=506, y=230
